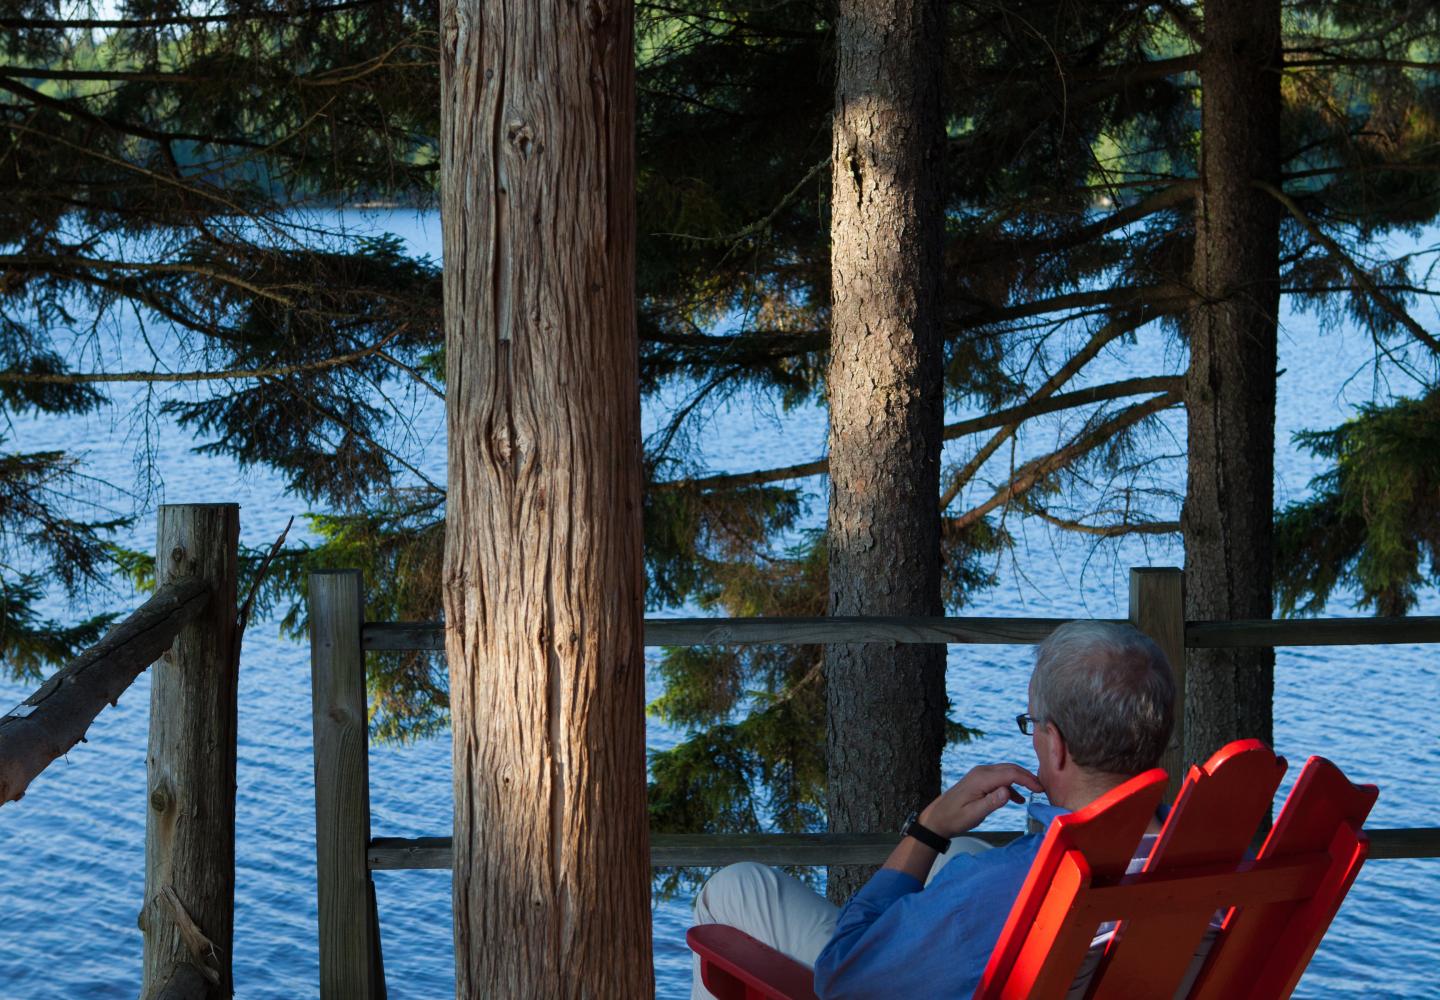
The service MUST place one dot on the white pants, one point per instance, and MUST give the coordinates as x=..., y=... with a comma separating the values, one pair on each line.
x=779, y=909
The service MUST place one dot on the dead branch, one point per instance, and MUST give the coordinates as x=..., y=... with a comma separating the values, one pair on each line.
x=279, y=371
x=999, y=418
x=1034, y=471
x=53, y=719
x=1357, y=272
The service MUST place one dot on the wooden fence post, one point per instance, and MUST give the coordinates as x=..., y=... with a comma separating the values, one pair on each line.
x=189, y=911
x=1157, y=608
x=350, y=966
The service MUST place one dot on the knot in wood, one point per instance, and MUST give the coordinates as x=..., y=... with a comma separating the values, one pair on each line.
x=450, y=28
x=521, y=138
x=161, y=798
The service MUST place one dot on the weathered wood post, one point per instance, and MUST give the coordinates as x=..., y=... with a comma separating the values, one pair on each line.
x=1157, y=608
x=189, y=910
x=350, y=967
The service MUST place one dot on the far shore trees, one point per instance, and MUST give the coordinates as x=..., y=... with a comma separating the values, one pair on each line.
x=544, y=583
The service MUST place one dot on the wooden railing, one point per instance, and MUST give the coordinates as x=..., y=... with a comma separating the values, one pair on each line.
x=349, y=954
x=188, y=630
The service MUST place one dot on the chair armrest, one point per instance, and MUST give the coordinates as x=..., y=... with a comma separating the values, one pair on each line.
x=735, y=966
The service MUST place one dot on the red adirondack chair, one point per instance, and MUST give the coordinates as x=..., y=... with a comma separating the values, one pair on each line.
x=1277, y=906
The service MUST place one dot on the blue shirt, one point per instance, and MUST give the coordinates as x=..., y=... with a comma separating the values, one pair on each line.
x=893, y=939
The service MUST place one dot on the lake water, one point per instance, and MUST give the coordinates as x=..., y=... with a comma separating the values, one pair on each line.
x=71, y=852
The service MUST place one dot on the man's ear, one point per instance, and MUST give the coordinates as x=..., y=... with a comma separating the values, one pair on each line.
x=1055, y=748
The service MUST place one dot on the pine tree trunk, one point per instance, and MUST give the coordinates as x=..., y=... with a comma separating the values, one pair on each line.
x=543, y=585
x=886, y=703
x=1230, y=386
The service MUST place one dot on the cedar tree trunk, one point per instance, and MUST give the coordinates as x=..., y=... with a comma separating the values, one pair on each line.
x=543, y=586
x=886, y=702
x=1230, y=387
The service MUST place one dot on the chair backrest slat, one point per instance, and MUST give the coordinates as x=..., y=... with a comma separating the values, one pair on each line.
x=1277, y=906
x=1213, y=822
x=1263, y=950
x=1102, y=838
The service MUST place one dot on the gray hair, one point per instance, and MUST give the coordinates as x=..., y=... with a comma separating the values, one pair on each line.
x=1109, y=690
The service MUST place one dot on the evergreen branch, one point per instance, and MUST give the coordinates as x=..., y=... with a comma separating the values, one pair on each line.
x=1152, y=69
x=174, y=21
x=1394, y=308
x=1165, y=298
x=167, y=179
x=247, y=606
x=1335, y=61
x=710, y=18
x=74, y=110
x=38, y=262
x=1033, y=472
x=74, y=378
x=1167, y=198
x=1186, y=21
x=342, y=75
x=759, y=225
x=1106, y=335
x=413, y=373
x=97, y=75
x=338, y=76
x=1362, y=168
x=1109, y=530
x=777, y=343
x=1033, y=408
x=359, y=432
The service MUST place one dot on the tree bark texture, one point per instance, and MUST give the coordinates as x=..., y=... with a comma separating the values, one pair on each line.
x=1230, y=386
x=543, y=573
x=188, y=914
x=886, y=703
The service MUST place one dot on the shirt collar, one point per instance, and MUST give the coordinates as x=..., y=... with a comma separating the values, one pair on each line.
x=1041, y=811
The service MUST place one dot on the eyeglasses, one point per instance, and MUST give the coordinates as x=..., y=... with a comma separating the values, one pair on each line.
x=1027, y=723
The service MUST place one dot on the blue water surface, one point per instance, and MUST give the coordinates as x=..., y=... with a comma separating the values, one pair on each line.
x=72, y=850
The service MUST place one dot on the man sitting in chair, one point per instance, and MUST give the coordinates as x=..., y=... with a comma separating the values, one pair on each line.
x=1101, y=710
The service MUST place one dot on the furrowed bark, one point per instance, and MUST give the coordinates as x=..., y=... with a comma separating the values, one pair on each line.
x=543, y=588
x=886, y=704
x=1230, y=384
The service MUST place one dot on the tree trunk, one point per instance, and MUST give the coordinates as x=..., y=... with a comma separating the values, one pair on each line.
x=188, y=914
x=886, y=703
x=543, y=578
x=1230, y=386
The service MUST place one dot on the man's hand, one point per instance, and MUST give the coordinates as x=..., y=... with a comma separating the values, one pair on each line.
x=966, y=803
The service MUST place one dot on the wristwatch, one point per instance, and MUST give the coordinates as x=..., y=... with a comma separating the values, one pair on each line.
x=914, y=828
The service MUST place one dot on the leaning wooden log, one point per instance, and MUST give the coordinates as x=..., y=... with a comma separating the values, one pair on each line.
x=53, y=719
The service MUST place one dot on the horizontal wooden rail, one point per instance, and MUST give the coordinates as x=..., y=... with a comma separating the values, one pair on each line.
x=787, y=631
x=53, y=719
x=1002, y=631
x=675, y=849
x=1312, y=632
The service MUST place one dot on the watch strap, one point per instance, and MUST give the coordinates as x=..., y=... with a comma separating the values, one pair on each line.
x=914, y=828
